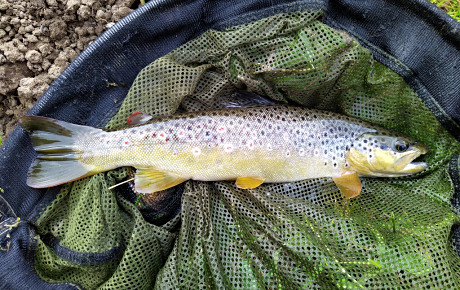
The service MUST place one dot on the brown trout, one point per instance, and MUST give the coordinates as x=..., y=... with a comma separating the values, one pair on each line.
x=250, y=145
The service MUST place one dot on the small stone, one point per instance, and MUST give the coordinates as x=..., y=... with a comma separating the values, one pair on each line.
x=33, y=87
x=84, y=12
x=46, y=64
x=4, y=20
x=73, y=5
x=88, y=2
x=15, y=21
x=58, y=30
x=54, y=71
x=51, y=2
x=29, y=28
x=31, y=38
x=45, y=49
x=33, y=56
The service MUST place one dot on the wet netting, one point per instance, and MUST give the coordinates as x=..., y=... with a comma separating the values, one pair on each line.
x=396, y=234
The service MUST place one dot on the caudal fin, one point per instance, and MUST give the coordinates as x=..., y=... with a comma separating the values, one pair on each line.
x=58, y=156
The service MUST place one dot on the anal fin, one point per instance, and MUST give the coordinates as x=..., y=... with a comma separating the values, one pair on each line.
x=247, y=182
x=349, y=184
x=148, y=180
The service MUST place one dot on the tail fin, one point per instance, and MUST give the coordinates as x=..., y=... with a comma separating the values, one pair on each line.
x=58, y=157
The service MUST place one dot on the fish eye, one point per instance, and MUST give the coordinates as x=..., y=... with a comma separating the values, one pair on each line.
x=401, y=146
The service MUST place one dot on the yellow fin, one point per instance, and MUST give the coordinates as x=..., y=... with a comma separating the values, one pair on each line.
x=246, y=182
x=149, y=180
x=349, y=184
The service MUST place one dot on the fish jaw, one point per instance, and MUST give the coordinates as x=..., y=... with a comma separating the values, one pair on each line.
x=384, y=163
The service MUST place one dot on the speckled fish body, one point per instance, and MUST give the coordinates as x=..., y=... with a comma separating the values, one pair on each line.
x=270, y=143
x=275, y=142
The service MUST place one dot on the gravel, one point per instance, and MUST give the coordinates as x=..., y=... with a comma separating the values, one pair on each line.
x=39, y=39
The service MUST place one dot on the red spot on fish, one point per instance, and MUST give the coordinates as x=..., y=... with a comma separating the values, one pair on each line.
x=196, y=151
x=251, y=144
x=221, y=129
x=126, y=142
x=162, y=135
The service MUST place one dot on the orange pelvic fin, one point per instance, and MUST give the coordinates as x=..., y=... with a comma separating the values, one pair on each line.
x=349, y=184
x=148, y=180
x=246, y=182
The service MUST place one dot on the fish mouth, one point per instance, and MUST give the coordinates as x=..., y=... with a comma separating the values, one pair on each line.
x=407, y=164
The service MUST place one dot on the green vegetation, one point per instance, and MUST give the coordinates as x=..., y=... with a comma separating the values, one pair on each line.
x=452, y=7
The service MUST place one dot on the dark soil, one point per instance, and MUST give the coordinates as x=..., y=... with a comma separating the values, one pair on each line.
x=38, y=40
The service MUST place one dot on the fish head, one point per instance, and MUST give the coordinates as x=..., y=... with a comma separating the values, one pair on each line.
x=384, y=155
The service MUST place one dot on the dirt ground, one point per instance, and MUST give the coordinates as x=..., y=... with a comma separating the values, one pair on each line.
x=38, y=40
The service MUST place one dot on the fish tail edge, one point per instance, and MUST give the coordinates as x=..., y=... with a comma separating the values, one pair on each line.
x=58, y=156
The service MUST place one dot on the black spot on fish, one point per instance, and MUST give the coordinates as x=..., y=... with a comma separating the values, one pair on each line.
x=365, y=141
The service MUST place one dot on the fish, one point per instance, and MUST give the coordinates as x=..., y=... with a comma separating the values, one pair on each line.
x=249, y=145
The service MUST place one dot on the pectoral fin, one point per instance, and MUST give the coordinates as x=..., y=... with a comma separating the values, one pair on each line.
x=246, y=182
x=349, y=184
x=149, y=180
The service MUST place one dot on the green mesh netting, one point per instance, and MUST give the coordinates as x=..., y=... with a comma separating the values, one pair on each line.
x=396, y=234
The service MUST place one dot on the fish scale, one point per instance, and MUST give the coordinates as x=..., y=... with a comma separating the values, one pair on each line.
x=250, y=145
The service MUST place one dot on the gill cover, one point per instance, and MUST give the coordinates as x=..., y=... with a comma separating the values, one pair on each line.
x=374, y=154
